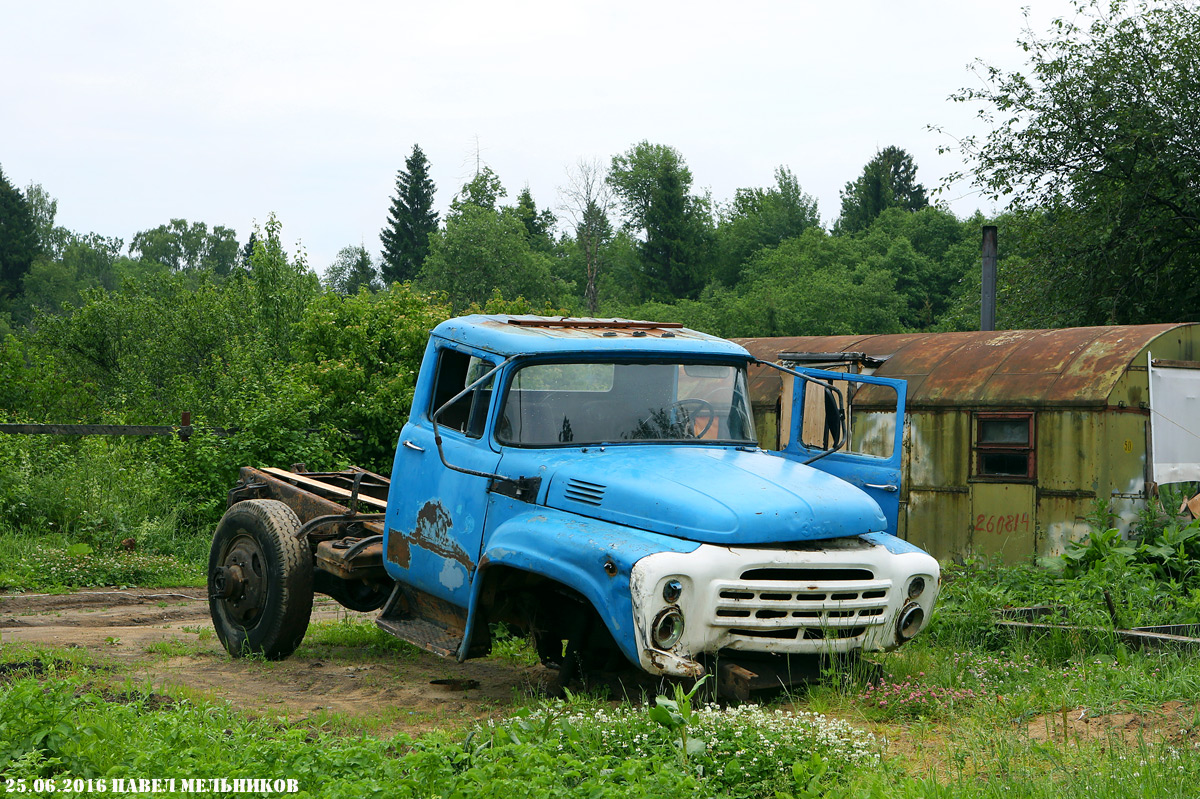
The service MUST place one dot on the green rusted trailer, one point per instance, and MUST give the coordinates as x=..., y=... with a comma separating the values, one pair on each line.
x=1013, y=436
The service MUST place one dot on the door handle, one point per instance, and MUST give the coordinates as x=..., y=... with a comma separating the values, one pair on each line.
x=413, y=446
x=891, y=489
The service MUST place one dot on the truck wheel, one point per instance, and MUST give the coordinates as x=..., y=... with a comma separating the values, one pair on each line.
x=260, y=580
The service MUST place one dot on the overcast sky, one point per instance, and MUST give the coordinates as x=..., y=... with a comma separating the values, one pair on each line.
x=133, y=113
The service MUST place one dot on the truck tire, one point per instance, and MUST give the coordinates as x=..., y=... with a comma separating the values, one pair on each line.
x=260, y=580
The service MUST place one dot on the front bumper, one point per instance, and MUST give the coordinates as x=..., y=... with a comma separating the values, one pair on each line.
x=838, y=596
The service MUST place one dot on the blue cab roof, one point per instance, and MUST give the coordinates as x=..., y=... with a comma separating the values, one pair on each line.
x=535, y=335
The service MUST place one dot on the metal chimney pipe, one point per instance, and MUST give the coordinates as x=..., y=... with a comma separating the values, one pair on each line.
x=987, y=310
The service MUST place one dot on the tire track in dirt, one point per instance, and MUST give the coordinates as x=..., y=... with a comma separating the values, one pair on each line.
x=162, y=638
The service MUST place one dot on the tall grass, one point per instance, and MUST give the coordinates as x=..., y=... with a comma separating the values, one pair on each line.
x=95, y=510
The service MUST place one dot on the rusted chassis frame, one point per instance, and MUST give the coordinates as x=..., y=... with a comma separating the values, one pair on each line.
x=347, y=544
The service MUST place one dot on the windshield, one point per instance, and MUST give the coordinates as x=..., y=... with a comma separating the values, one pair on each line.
x=552, y=404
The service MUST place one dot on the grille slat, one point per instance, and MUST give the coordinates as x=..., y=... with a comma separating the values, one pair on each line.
x=788, y=623
x=806, y=603
x=757, y=604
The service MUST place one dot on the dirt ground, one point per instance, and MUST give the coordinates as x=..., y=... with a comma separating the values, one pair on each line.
x=1173, y=722
x=162, y=638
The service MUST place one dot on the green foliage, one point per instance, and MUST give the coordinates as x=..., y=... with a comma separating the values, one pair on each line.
x=54, y=569
x=181, y=246
x=61, y=728
x=746, y=751
x=1101, y=547
x=511, y=648
x=19, y=243
x=902, y=273
x=889, y=180
x=816, y=285
x=161, y=346
x=482, y=191
x=654, y=185
x=67, y=506
x=84, y=262
x=280, y=286
x=1096, y=142
x=411, y=220
x=1164, y=567
x=539, y=225
x=98, y=491
x=351, y=270
x=759, y=218
x=813, y=284
x=361, y=354
x=43, y=208
x=587, y=199
x=991, y=762
x=677, y=715
x=483, y=250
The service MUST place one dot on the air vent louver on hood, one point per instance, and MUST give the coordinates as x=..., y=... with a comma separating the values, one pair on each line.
x=585, y=492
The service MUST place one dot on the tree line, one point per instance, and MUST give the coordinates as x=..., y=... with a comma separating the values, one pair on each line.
x=633, y=237
x=1093, y=147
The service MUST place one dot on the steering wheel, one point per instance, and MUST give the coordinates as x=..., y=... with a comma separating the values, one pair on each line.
x=695, y=407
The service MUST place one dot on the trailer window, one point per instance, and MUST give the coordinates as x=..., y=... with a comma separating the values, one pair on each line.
x=1004, y=447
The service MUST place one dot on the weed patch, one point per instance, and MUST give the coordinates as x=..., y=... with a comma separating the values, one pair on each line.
x=173, y=648
x=347, y=633
x=512, y=648
x=79, y=566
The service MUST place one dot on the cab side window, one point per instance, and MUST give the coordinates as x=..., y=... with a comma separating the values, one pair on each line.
x=455, y=371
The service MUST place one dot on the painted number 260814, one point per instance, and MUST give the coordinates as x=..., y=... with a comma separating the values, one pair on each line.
x=1002, y=523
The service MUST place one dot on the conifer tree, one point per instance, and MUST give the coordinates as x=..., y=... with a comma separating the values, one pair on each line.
x=18, y=238
x=889, y=180
x=410, y=221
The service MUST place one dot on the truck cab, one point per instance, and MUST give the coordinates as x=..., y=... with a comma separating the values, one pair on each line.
x=599, y=483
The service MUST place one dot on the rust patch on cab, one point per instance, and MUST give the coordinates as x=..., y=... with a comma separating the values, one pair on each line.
x=432, y=533
x=397, y=549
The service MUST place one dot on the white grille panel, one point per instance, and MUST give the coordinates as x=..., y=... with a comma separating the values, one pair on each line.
x=775, y=605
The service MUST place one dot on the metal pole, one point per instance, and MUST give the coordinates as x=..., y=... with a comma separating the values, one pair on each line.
x=987, y=315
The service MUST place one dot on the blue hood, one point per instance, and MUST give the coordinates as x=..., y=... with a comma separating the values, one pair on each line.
x=707, y=494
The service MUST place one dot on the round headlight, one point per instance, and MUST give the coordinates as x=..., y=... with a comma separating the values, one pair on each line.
x=672, y=591
x=916, y=587
x=667, y=629
x=910, y=622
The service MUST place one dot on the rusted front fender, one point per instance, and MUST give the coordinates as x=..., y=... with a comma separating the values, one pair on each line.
x=592, y=557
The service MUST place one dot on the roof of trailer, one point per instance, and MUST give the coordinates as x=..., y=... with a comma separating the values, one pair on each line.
x=1071, y=366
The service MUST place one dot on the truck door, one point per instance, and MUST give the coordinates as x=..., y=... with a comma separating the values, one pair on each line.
x=435, y=515
x=870, y=457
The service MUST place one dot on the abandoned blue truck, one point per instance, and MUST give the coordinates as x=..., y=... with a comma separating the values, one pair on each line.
x=596, y=485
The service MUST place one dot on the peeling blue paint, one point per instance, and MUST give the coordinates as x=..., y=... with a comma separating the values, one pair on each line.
x=453, y=576
x=897, y=546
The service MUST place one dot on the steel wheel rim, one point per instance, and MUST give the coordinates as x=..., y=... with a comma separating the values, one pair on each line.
x=241, y=581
